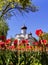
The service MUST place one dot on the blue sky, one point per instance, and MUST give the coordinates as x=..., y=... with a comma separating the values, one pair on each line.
x=33, y=21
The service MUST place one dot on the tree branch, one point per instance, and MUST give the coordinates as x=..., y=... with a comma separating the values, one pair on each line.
x=20, y=8
x=3, y=12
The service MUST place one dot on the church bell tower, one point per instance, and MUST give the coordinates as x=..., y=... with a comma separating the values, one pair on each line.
x=23, y=30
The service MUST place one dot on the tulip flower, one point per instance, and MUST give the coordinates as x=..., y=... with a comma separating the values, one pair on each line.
x=2, y=37
x=43, y=42
x=35, y=43
x=24, y=41
x=39, y=32
x=2, y=44
x=8, y=41
x=47, y=45
x=15, y=42
x=12, y=47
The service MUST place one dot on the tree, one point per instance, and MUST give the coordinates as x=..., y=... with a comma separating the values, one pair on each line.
x=7, y=6
x=3, y=29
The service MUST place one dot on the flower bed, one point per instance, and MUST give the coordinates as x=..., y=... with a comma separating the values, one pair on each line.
x=23, y=53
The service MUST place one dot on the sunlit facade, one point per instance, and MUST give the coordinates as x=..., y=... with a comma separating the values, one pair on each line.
x=25, y=35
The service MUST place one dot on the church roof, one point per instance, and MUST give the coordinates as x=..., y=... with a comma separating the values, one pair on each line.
x=24, y=27
x=30, y=33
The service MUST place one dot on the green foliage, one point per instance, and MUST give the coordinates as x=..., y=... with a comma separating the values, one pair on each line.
x=7, y=6
x=14, y=58
x=3, y=27
x=45, y=36
x=44, y=58
x=5, y=57
x=23, y=58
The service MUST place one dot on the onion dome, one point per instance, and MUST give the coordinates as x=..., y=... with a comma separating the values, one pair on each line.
x=24, y=27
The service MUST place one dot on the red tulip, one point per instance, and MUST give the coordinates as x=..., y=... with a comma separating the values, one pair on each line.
x=11, y=47
x=43, y=42
x=40, y=41
x=27, y=47
x=39, y=32
x=15, y=42
x=2, y=37
x=35, y=43
x=47, y=45
x=8, y=41
x=2, y=44
x=24, y=41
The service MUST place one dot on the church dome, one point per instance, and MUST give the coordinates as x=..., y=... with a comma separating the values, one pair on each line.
x=24, y=27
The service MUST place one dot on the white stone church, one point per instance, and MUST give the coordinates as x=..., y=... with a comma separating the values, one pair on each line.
x=24, y=35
